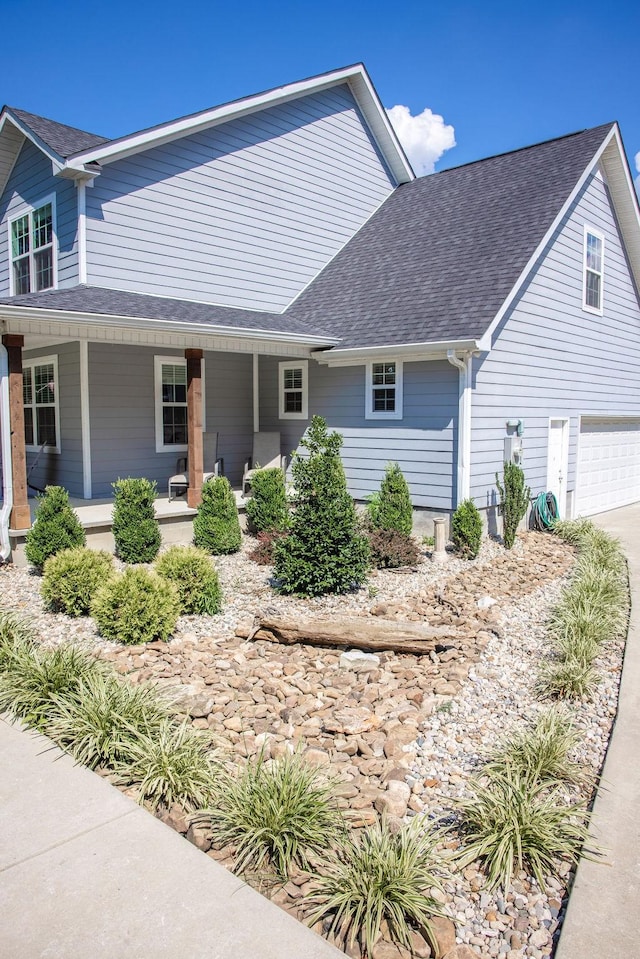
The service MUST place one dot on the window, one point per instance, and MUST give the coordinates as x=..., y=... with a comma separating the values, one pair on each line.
x=171, y=403
x=294, y=399
x=32, y=250
x=593, y=270
x=384, y=391
x=40, y=396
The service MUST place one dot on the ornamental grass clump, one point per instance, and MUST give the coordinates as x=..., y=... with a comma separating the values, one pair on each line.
x=194, y=577
x=466, y=529
x=70, y=579
x=136, y=606
x=216, y=528
x=570, y=678
x=16, y=638
x=268, y=509
x=540, y=753
x=514, y=500
x=135, y=528
x=380, y=877
x=275, y=813
x=56, y=527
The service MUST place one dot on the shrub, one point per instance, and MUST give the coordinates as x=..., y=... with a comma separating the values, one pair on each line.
x=263, y=553
x=540, y=753
x=216, y=528
x=379, y=877
x=274, y=813
x=56, y=527
x=267, y=508
x=70, y=579
x=391, y=508
x=514, y=499
x=135, y=527
x=196, y=581
x=513, y=823
x=391, y=549
x=324, y=552
x=136, y=606
x=466, y=529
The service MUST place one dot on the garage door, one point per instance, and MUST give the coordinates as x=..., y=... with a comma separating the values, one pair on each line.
x=608, y=464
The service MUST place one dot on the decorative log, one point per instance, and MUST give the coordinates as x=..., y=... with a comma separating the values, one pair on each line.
x=359, y=633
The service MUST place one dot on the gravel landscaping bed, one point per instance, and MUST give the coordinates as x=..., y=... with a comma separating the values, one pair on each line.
x=402, y=733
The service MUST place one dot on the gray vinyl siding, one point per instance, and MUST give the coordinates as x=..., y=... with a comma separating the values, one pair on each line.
x=244, y=214
x=423, y=442
x=63, y=468
x=32, y=180
x=122, y=403
x=551, y=358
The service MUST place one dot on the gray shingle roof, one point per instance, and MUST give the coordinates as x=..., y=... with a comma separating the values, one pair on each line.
x=62, y=139
x=441, y=255
x=99, y=301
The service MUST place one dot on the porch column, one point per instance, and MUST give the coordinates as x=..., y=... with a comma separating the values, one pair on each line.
x=194, y=426
x=20, y=514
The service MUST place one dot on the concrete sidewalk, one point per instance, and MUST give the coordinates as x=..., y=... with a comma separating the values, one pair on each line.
x=85, y=873
x=603, y=916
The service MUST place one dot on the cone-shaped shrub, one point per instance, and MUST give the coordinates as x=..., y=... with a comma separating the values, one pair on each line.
x=216, y=528
x=268, y=508
x=71, y=578
x=391, y=508
x=192, y=573
x=324, y=552
x=56, y=527
x=466, y=529
x=135, y=527
x=136, y=607
x=514, y=499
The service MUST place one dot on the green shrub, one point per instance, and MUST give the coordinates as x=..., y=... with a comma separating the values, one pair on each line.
x=70, y=579
x=376, y=877
x=391, y=549
x=216, y=528
x=135, y=527
x=263, y=552
x=56, y=527
x=324, y=551
x=466, y=529
x=541, y=752
x=267, y=508
x=135, y=607
x=514, y=500
x=196, y=581
x=273, y=813
x=391, y=508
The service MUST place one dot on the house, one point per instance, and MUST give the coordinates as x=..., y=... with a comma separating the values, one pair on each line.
x=243, y=268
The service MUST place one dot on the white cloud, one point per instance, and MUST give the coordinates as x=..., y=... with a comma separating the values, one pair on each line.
x=424, y=137
x=638, y=169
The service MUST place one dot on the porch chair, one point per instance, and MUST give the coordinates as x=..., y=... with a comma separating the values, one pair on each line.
x=266, y=455
x=209, y=458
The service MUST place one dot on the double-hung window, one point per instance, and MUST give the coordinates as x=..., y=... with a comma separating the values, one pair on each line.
x=384, y=390
x=293, y=390
x=171, y=403
x=40, y=396
x=32, y=241
x=593, y=270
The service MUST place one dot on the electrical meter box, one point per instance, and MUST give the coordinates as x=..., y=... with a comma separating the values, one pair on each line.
x=513, y=450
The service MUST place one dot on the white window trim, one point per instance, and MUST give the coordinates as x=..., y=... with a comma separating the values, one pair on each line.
x=158, y=361
x=369, y=412
x=591, y=309
x=294, y=365
x=31, y=364
x=16, y=215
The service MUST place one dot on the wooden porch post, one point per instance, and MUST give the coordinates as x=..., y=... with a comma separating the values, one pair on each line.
x=194, y=426
x=20, y=514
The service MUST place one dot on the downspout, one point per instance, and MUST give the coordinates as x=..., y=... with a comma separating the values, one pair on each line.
x=5, y=447
x=463, y=364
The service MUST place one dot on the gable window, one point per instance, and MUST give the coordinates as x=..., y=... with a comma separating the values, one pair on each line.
x=293, y=390
x=40, y=396
x=171, y=403
x=593, y=270
x=384, y=390
x=31, y=240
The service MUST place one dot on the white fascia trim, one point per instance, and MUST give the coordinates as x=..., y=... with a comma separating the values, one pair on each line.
x=355, y=75
x=407, y=352
x=8, y=117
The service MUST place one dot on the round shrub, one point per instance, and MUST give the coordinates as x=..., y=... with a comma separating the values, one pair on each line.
x=135, y=527
x=216, y=528
x=191, y=571
x=391, y=549
x=268, y=509
x=391, y=508
x=136, y=607
x=71, y=578
x=56, y=527
x=466, y=529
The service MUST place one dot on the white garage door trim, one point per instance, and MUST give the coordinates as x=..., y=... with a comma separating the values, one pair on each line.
x=608, y=471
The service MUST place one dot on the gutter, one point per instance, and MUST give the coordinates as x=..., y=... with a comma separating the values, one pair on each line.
x=410, y=352
x=463, y=365
x=5, y=447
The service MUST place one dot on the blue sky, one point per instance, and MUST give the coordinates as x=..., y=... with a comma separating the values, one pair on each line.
x=501, y=74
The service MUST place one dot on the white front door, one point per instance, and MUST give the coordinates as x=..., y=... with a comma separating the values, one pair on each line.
x=558, y=462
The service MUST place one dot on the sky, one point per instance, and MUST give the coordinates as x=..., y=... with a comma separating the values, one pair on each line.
x=461, y=80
